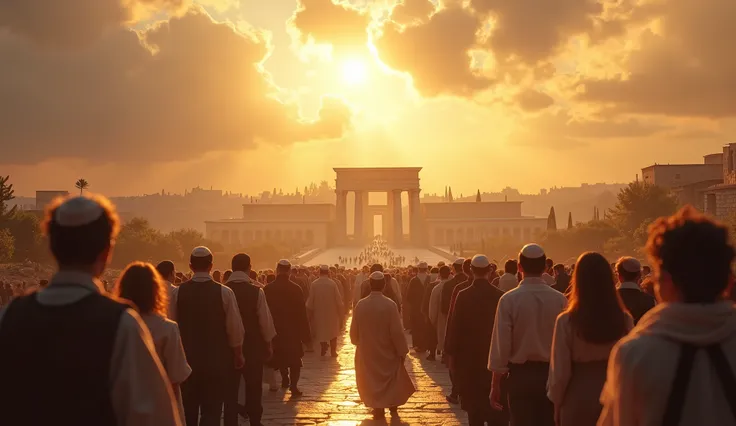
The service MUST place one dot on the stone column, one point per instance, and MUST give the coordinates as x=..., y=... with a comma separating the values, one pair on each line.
x=415, y=217
x=398, y=234
x=359, y=220
x=341, y=217
x=367, y=218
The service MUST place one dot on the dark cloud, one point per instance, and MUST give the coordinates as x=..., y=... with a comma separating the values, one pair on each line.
x=172, y=92
x=436, y=53
x=531, y=100
x=71, y=23
x=686, y=68
x=338, y=24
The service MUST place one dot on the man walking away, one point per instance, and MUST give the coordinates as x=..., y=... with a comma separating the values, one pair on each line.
x=212, y=334
x=325, y=308
x=259, y=331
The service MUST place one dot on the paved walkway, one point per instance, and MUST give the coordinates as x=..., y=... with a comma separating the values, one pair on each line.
x=331, y=397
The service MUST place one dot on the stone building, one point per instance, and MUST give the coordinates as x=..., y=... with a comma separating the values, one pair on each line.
x=325, y=225
x=720, y=199
x=678, y=175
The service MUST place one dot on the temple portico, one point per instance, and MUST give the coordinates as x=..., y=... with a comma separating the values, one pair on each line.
x=391, y=180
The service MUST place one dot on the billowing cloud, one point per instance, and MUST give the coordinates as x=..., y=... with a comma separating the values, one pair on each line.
x=412, y=12
x=171, y=92
x=327, y=22
x=437, y=53
x=684, y=66
x=71, y=23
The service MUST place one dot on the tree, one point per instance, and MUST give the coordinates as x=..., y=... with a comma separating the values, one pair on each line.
x=639, y=204
x=81, y=185
x=6, y=194
x=552, y=220
x=26, y=232
x=477, y=197
x=445, y=199
x=7, y=246
x=449, y=194
x=569, y=220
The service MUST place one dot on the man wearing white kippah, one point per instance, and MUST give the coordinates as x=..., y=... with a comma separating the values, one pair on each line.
x=212, y=334
x=636, y=301
x=92, y=356
x=522, y=341
x=377, y=333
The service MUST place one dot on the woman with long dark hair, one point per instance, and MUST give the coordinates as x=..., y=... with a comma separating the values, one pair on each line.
x=142, y=285
x=594, y=321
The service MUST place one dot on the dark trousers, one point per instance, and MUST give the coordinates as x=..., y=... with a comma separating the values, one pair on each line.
x=325, y=346
x=293, y=381
x=528, y=402
x=202, y=397
x=252, y=374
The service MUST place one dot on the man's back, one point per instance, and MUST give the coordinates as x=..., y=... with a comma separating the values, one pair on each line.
x=637, y=302
x=472, y=324
x=643, y=366
x=374, y=321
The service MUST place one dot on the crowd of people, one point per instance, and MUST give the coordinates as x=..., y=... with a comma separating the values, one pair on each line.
x=535, y=344
x=377, y=251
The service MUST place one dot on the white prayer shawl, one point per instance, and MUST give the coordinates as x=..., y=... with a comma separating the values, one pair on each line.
x=642, y=367
x=325, y=309
x=380, y=374
x=438, y=319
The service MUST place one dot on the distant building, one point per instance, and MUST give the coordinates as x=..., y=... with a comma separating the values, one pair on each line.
x=44, y=198
x=677, y=175
x=720, y=199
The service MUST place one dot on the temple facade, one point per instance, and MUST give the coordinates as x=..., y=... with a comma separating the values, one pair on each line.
x=326, y=225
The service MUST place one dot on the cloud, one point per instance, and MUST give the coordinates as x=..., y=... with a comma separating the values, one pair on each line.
x=560, y=129
x=684, y=65
x=170, y=92
x=338, y=24
x=531, y=100
x=437, y=53
x=412, y=12
x=71, y=23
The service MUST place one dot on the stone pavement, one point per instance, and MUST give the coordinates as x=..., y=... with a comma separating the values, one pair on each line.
x=331, y=397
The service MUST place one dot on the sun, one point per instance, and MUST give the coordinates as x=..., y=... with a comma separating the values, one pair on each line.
x=354, y=72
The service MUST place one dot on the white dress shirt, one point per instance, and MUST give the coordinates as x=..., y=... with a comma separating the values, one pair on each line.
x=172, y=300
x=233, y=322
x=525, y=323
x=265, y=320
x=508, y=282
x=139, y=387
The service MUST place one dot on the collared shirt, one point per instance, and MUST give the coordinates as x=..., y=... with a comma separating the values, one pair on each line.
x=507, y=282
x=525, y=323
x=265, y=320
x=630, y=285
x=233, y=322
x=139, y=387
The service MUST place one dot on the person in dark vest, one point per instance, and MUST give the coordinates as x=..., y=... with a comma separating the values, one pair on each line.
x=286, y=301
x=212, y=335
x=636, y=301
x=522, y=341
x=460, y=282
x=259, y=331
x=562, y=279
x=92, y=356
x=414, y=298
x=472, y=326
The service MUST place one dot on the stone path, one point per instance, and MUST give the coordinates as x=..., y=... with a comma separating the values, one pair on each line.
x=331, y=398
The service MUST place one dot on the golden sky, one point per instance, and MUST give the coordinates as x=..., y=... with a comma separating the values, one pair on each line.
x=246, y=95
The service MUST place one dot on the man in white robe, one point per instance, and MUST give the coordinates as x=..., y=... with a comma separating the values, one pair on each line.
x=436, y=317
x=325, y=309
x=381, y=350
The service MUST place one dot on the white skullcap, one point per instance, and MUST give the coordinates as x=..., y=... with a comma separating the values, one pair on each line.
x=532, y=251
x=324, y=268
x=480, y=261
x=284, y=262
x=78, y=211
x=629, y=264
x=201, y=251
x=459, y=261
x=377, y=276
x=422, y=265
